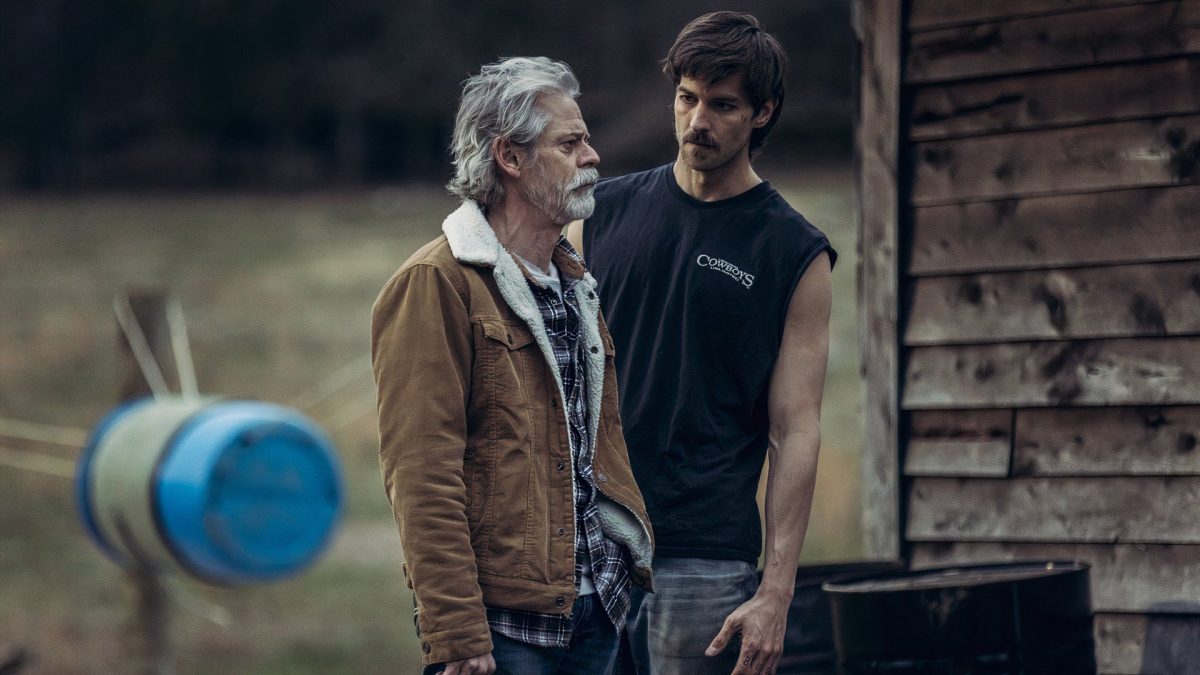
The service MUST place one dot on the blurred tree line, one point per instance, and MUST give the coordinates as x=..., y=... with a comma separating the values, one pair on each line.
x=308, y=93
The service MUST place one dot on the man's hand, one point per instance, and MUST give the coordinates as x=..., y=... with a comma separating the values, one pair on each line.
x=761, y=622
x=476, y=665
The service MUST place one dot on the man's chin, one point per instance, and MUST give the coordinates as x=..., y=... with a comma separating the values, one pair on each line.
x=578, y=209
x=582, y=210
x=708, y=157
x=706, y=160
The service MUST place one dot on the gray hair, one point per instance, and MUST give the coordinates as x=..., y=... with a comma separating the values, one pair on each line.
x=501, y=102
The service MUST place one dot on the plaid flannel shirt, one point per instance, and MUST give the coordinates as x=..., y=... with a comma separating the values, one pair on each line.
x=605, y=558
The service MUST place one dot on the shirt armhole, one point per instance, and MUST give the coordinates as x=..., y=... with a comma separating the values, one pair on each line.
x=822, y=244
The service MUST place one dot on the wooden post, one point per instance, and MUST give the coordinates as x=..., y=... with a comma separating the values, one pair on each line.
x=878, y=26
x=147, y=638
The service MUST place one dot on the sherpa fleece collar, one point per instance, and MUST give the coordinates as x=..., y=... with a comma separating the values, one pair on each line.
x=471, y=238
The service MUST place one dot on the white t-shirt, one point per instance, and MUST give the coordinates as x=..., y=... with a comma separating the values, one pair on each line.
x=549, y=277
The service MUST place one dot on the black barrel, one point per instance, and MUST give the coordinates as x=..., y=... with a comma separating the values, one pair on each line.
x=1026, y=617
x=808, y=643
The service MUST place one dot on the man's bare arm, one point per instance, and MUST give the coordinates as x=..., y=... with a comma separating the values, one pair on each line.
x=794, y=411
x=575, y=236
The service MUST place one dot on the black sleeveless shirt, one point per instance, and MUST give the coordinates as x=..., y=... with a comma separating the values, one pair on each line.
x=695, y=295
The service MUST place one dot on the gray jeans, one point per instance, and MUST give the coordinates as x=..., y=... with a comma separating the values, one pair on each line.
x=669, y=629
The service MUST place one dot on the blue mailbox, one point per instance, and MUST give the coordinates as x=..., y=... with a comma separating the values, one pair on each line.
x=229, y=492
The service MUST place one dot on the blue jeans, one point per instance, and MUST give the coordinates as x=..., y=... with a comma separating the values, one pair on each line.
x=669, y=629
x=593, y=647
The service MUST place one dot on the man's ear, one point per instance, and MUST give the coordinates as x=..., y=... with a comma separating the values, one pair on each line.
x=764, y=113
x=508, y=156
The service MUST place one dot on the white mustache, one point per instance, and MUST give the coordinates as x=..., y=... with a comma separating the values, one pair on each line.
x=584, y=177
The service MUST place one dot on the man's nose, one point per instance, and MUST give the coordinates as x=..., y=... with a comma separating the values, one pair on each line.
x=589, y=157
x=700, y=119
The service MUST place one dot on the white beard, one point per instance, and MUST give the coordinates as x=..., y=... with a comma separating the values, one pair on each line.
x=580, y=206
x=565, y=203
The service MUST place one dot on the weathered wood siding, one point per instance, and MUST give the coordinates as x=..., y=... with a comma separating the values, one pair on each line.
x=1121, y=226
x=1047, y=331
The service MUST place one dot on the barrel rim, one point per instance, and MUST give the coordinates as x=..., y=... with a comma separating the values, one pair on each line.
x=1054, y=567
x=156, y=506
x=841, y=572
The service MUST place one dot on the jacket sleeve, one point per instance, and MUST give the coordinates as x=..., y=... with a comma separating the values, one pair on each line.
x=422, y=352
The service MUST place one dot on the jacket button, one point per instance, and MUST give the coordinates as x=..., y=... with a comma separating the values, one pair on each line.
x=562, y=466
x=594, y=350
x=562, y=531
x=554, y=403
x=426, y=648
x=602, y=478
x=560, y=601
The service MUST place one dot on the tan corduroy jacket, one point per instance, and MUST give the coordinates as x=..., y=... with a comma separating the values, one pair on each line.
x=474, y=442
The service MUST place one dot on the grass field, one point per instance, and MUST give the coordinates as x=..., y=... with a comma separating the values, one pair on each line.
x=277, y=291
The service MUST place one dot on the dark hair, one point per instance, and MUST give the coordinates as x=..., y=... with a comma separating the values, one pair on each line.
x=717, y=45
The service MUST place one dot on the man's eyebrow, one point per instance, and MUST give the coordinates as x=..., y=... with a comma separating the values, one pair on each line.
x=723, y=98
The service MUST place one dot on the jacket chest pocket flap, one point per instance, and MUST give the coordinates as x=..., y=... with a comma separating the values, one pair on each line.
x=512, y=334
x=507, y=356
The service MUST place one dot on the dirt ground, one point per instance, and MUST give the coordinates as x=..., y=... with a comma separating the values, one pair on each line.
x=277, y=291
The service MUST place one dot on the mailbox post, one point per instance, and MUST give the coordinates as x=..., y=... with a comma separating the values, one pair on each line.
x=148, y=642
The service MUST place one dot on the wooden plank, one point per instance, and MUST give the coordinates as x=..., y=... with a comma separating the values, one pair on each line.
x=1060, y=98
x=1110, y=227
x=1124, y=577
x=1089, y=37
x=1143, y=371
x=1149, y=441
x=1077, y=510
x=1140, y=643
x=961, y=425
x=959, y=443
x=1122, y=301
x=926, y=14
x=877, y=26
x=970, y=459
x=1140, y=153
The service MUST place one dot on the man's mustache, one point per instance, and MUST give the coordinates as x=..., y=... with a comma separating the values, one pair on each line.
x=699, y=138
x=584, y=177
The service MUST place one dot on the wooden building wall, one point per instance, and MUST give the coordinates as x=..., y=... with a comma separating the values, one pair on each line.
x=1032, y=276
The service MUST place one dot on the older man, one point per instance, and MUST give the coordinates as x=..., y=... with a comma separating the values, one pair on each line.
x=500, y=443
